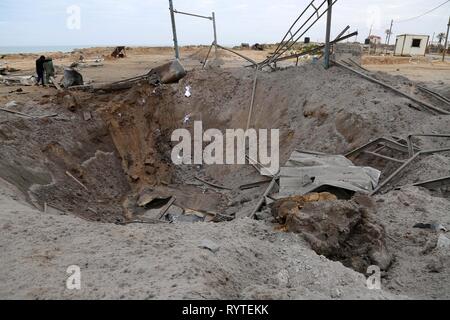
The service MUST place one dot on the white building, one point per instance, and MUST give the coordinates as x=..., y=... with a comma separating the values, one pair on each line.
x=411, y=45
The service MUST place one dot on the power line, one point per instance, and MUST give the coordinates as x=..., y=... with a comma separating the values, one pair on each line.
x=425, y=13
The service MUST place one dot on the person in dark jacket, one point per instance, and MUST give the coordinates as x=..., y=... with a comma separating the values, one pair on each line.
x=40, y=69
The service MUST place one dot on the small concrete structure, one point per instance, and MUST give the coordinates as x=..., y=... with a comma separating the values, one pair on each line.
x=411, y=45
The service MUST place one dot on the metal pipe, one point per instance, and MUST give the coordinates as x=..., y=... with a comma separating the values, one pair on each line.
x=276, y=54
x=375, y=154
x=342, y=32
x=215, y=31
x=435, y=183
x=238, y=54
x=192, y=15
x=174, y=30
x=434, y=95
x=327, y=36
x=299, y=37
x=411, y=142
x=207, y=56
x=389, y=143
x=407, y=163
x=263, y=198
x=292, y=26
x=250, y=112
x=427, y=105
x=314, y=49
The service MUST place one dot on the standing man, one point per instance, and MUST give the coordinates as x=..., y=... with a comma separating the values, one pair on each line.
x=40, y=69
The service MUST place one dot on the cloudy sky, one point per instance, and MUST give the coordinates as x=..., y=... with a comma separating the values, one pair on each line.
x=147, y=22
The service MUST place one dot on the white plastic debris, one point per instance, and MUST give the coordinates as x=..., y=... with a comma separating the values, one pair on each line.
x=187, y=118
x=11, y=104
x=188, y=91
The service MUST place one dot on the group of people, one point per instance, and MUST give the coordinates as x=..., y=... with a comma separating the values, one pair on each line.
x=45, y=70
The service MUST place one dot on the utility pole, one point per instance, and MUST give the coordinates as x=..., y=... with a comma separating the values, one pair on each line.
x=389, y=36
x=390, y=32
x=328, y=35
x=174, y=30
x=215, y=31
x=446, y=41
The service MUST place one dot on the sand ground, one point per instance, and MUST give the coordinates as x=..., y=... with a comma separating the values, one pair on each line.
x=330, y=111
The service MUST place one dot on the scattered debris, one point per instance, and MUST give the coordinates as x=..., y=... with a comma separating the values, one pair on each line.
x=428, y=106
x=119, y=52
x=166, y=207
x=87, y=115
x=187, y=94
x=258, y=47
x=212, y=184
x=18, y=80
x=209, y=245
x=253, y=185
x=11, y=104
x=72, y=78
x=305, y=173
x=443, y=242
x=432, y=226
x=77, y=181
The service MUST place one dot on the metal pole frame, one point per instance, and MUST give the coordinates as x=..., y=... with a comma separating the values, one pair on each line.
x=174, y=30
x=328, y=36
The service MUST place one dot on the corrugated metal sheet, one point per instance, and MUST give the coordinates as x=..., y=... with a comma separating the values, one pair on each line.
x=306, y=172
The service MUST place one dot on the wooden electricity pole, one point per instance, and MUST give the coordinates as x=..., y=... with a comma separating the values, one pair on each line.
x=446, y=41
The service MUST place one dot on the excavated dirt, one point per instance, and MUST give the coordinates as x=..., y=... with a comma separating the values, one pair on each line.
x=340, y=230
x=103, y=168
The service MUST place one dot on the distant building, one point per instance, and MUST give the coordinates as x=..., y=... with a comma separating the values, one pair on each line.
x=411, y=45
x=376, y=40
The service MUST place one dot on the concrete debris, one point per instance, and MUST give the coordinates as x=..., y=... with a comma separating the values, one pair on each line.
x=209, y=245
x=18, y=80
x=305, y=173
